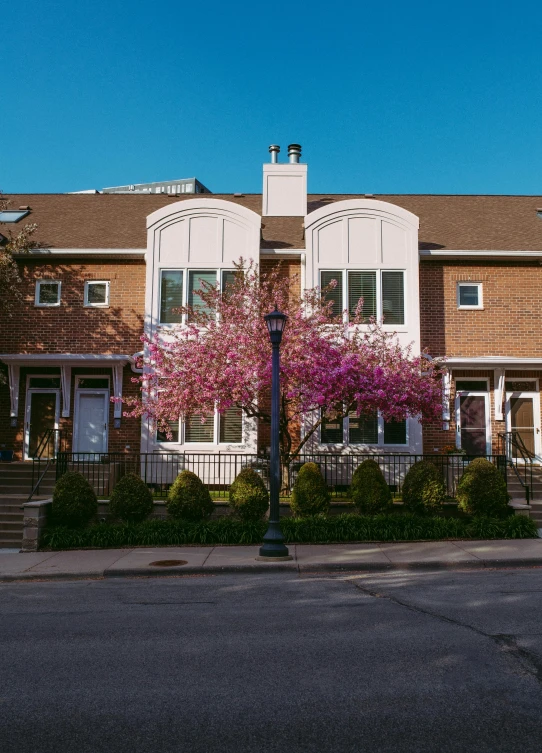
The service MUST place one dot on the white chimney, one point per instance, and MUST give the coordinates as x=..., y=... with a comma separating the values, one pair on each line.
x=285, y=185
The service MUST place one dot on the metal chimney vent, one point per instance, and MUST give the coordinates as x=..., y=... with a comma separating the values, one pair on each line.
x=274, y=150
x=294, y=153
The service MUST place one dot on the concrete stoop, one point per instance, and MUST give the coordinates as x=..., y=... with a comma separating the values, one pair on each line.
x=15, y=485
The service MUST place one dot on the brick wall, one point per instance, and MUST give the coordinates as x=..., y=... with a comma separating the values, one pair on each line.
x=72, y=327
x=508, y=325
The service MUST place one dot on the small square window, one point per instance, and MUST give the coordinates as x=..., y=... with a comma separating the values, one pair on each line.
x=47, y=293
x=97, y=293
x=469, y=295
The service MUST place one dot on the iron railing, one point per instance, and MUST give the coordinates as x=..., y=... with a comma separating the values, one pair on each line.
x=519, y=459
x=218, y=470
x=50, y=443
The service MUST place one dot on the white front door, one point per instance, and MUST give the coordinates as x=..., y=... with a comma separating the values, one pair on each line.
x=91, y=417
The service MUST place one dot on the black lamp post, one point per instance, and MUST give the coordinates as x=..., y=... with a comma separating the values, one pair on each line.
x=273, y=546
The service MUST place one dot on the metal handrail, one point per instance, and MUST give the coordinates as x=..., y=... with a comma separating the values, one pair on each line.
x=37, y=457
x=513, y=440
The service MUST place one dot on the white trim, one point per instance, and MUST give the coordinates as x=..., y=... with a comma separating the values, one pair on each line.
x=117, y=389
x=87, y=303
x=84, y=252
x=465, y=284
x=37, y=359
x=446, y=393
x=484, y=362
x=66, y=382
x=41, y=282
x=475, y=254
x=499, y=384
x=278, y=252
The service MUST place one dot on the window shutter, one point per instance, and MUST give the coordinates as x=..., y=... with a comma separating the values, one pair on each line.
x=335, y=295
x=393, y=298
x=231, y=426
x=395, y=432
x=363, y=429
x=171, y=296
x=195, y=431
x=362, y=285
x=331, y=430
x=196, y=278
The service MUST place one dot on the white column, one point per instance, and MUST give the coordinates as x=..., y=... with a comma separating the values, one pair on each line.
x=446, y=391
x=117, y=389
x=498, y=380
x=14, y=375
x=66, y=381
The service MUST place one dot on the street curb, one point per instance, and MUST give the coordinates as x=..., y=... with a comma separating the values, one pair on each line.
x=293, y=567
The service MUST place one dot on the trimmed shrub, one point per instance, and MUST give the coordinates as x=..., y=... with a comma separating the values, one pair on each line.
x=248, y=496
x=482, y=490
x=131, y=499
x=188, y=498
x=423, y=487
x=74, y=500
x=310, y=495
x=369, y=490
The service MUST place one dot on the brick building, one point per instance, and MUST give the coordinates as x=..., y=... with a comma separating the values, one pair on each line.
x=458, y=275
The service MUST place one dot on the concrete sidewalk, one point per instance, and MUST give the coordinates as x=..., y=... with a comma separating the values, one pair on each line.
x=107, y=563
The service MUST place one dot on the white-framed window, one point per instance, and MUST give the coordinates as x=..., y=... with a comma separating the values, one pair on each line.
x=97, y=293
x=383, y=293
x=178, y=287
x=47, y=293
x=363, y=430
x=216, y=430
x=469, y=295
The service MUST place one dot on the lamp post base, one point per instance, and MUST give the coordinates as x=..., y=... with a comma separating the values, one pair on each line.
x=273, y=545
x=286, y=558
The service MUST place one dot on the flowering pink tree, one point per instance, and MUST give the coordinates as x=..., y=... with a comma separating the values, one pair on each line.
x=221, y=358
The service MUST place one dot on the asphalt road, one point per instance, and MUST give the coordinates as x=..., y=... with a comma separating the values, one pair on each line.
x=390, y=662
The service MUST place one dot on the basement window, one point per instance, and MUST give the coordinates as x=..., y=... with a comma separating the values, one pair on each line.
x=47, y=293
x=469, y=295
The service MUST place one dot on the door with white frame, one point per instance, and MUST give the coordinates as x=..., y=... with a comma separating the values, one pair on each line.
x=42, y=414
x=91, y=419
x=473, y=424
x=522, y=411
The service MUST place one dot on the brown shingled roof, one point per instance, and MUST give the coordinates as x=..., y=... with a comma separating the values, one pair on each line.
x=504, y=223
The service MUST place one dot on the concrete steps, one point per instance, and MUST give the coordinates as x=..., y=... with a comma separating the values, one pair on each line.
x=15, y=486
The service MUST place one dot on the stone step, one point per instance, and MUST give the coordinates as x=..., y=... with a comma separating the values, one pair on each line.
x=10, y=517
x=25, y=489
x=11, y=525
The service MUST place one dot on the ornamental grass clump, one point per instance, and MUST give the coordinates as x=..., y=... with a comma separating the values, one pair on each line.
x=249, y=499
x=423, y=488
x=131, y=500
x=369, y=490
x=74, y=501
x=482, y=490
x=188, y=498
x=310, y=495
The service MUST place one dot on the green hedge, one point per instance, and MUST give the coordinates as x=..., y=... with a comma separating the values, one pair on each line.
x=310, y=494
x=316, y=529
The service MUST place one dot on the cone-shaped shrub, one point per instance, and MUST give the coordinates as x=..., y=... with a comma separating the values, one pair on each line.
x=369, y=490
x=74, y=500
x=423, y=488
x=131, y=499
x=310, y=495
x=188, y=498
x=249, y=498
x=482, y=490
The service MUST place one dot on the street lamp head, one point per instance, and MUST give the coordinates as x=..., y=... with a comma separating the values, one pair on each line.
x=276, y=321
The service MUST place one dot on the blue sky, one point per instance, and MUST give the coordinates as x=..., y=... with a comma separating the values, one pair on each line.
x=395, y=97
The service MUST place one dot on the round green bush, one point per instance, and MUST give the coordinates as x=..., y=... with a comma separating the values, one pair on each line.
x=188, y=498
x=369, y=490
x=310, y=495
x=74, y=501
x=423, y=487
x=248, y=496
x=482, y=490
x=131, y=499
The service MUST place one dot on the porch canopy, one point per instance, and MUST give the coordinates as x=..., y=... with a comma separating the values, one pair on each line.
x=65, y=361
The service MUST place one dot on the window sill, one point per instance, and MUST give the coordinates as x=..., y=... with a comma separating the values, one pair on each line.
x=47, y=305
x=470, y=308
x=96, y=305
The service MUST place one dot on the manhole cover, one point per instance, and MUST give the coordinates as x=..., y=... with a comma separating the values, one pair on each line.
x=168, y=563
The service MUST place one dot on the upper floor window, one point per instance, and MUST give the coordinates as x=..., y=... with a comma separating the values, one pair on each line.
x=47, y=293
x=96, y=293
x=469, y=295
x=363, y=430
x=383, y=293
x=173, y=294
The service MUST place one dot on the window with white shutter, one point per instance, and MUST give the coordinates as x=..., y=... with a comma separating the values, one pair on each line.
x=195, y=279
x=362, y=285
x=335, y=294
x=171, y=295
x=393, y=297
x=195, y=431
x=363, y=429
x=231, y=426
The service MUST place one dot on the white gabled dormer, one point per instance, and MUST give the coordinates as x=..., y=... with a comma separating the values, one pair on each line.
x=285, y=185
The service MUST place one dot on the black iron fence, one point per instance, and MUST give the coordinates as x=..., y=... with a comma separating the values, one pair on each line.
x=218, y=470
